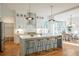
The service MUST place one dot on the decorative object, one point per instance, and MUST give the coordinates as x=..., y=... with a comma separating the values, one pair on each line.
x=40, y=17
x=21, y=15
x=17, y=14
x=31, y=17
x=24, y=15
x=20, y=30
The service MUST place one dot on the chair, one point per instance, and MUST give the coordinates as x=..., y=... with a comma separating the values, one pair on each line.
x=55, y=42
x=31, y=47
x=39, y=45
x=47, y=45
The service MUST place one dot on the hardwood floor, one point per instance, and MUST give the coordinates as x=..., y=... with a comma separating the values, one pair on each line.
x=12, y=49
x=71, y=49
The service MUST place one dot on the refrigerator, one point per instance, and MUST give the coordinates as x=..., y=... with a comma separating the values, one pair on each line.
x=1, y=37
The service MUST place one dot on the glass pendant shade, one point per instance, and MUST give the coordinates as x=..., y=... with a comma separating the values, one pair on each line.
x=29, y=18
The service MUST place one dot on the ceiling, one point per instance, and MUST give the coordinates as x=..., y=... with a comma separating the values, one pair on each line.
x=40, y=7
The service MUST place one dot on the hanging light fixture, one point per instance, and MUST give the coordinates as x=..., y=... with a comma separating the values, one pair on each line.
x=29, y=14
x=51, y=16
x=70, y=24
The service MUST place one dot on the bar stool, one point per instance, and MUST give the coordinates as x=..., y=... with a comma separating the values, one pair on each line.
x=39, y=45
x=55, y=43
x=51, y=44
x=35, y=45
x=31, y=47
x=27, y=48
x=42, y=45
x=24, y=47
x=47, y=45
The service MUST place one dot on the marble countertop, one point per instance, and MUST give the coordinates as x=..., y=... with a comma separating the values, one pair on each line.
x=37, y=36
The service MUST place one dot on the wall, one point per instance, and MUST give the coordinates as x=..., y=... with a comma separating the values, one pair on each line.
x=0, y=10
x=6, y=12
x=7, y=17
x=21, y=21
x=66, y=17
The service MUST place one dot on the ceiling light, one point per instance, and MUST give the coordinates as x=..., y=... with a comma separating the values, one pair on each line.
x=29, y=17
x=70, y=23
x=29, y=14
x=51, y=16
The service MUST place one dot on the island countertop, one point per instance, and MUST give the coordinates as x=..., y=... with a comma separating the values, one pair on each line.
x=37, y=36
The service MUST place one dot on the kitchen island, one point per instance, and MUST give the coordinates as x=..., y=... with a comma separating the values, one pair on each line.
x=31, y=44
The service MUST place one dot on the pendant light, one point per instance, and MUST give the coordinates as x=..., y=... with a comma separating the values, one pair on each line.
x=29, y=14
x=51, y=16
x=70, y=24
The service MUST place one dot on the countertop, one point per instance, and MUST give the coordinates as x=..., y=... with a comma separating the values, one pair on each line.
x=37, y=36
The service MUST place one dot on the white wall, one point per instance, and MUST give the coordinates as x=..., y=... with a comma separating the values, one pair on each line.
x=7, y=17
x=6, y=12
x=66, y=17
x=21, y=21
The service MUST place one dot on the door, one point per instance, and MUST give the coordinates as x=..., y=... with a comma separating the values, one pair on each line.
x=0, y=36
